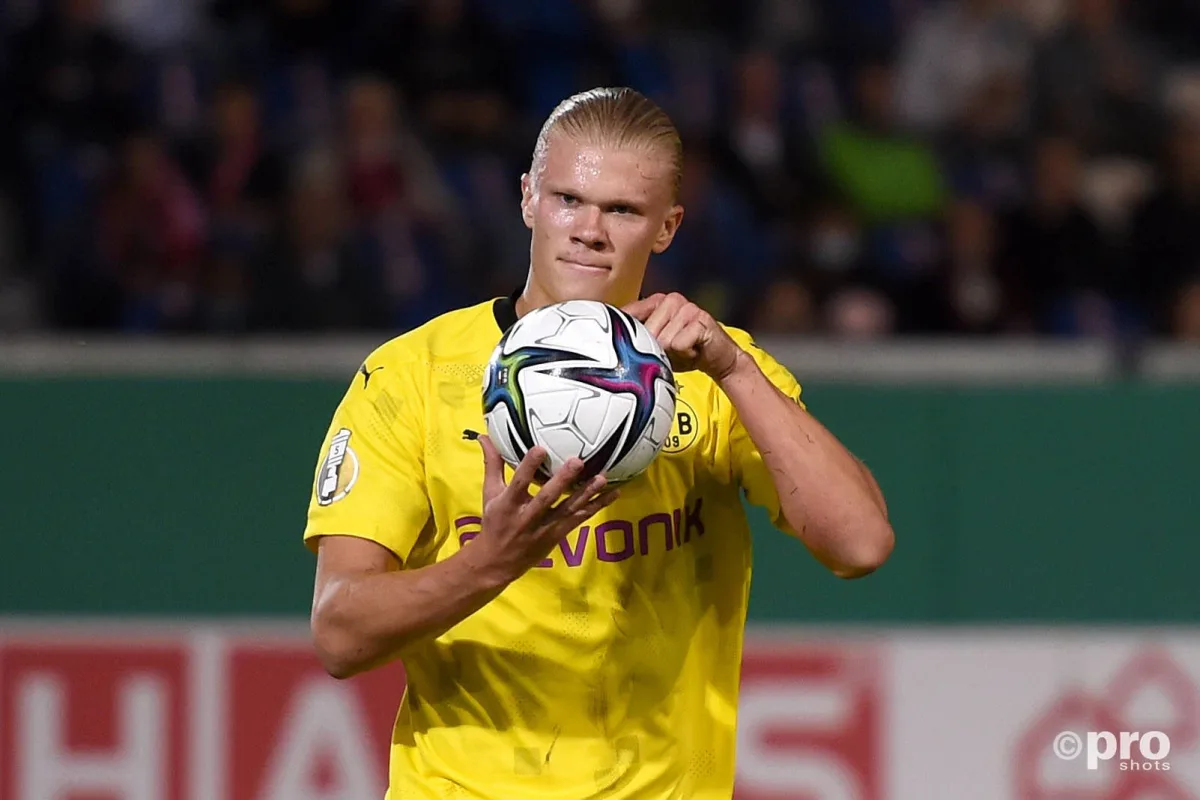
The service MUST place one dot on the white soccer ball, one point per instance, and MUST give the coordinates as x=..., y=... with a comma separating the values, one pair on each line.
x=582, y=379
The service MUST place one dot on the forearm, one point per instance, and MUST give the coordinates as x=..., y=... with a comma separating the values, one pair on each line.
x=363, y=620
x=826, y=495
x=873, y=485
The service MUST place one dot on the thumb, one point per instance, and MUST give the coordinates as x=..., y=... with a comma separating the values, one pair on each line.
x=642, y=309
x=493, y=470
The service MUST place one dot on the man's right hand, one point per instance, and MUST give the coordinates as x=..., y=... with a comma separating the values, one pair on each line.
x=519, y=529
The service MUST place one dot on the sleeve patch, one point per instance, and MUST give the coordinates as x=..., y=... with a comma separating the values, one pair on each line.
x=339, y=470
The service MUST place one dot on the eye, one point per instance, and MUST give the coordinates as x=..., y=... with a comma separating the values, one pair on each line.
x=568, y=199
x=621, y=210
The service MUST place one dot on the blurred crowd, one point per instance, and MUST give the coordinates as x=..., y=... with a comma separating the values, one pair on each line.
x=854, y=168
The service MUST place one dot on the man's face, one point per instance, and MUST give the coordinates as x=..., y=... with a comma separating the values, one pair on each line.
x=596, y=214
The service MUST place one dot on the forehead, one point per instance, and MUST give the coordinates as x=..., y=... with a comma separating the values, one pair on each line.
x=595, y=169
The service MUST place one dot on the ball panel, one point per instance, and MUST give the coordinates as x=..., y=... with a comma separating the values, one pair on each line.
x=551, y=407
x=637, y=461
x=561, y=444
x=601, y=459
x=662, y=417
x=585, y=309
x=618, y=414
x=591, y=408
x=531, y=328
x=584, y=333
x=501, y=430
x=584, y=337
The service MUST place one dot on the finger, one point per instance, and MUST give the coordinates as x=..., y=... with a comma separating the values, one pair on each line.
x=686, y=349
x=556, y=487
x=665, y=310
x=582, y=495
x=670, y=338
x=693, y=338
x=641, y=309
x=493, y=470
x=589, y=510
x=526, y=471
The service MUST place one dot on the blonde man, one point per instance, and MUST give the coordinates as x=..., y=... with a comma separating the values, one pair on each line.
x=539, y=664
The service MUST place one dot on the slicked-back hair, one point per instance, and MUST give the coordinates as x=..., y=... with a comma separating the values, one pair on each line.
x=620, y=118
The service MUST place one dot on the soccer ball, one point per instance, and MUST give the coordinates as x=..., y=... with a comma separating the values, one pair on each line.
x=582, y=379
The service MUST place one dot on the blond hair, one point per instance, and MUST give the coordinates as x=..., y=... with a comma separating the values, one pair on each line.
x=620, y=118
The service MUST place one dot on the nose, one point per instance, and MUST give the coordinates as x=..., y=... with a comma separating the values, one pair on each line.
x=589, y=229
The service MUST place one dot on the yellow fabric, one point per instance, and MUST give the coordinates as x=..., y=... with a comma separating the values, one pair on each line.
x=610, y=670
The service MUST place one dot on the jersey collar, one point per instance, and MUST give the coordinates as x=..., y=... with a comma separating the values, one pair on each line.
x=504, y=310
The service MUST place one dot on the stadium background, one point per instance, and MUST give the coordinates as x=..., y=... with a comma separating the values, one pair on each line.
x=969, y=227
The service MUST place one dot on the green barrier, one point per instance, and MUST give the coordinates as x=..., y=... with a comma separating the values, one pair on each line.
x=187, y=496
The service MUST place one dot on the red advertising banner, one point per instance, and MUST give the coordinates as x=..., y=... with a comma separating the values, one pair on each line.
x=221, y=714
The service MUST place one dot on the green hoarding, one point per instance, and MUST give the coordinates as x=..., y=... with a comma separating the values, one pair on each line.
x=187, y=496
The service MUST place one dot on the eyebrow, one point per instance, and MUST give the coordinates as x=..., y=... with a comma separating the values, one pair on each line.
x=625, y=202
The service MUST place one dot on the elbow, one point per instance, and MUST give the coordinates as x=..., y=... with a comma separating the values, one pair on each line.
x=333, y=650
x=337, y=648
x=869, y=551
x=337, y=665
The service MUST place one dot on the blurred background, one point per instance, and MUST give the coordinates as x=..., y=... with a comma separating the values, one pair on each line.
x=971, y=228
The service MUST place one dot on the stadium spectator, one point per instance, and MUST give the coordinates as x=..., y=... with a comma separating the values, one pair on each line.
x=787, y=309
x=1186, y=317
x=952, y=52
x=1165, y=247
x=1094, y=81
x=761, y=152
x=886, y=174
x=1055, y=262
x=152, y=229
x=965, y=296
x=318, y=274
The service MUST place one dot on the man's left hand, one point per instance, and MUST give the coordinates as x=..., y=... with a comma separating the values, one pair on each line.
x=690, y=336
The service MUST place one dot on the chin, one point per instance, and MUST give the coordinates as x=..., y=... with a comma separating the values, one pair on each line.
x=574, y=284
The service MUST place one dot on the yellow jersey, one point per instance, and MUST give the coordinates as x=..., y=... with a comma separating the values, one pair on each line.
x=610, y=669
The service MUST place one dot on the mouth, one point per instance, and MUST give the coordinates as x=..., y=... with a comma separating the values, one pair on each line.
x=589, y=266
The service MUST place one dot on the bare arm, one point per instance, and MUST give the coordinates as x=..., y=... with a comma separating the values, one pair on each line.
x=366, y=609
x=876, y=491
x=828, y=497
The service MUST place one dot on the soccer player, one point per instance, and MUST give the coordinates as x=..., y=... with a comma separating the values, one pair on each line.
x=570, y=643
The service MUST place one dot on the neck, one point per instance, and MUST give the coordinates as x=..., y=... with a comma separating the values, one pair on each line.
x=534, y=296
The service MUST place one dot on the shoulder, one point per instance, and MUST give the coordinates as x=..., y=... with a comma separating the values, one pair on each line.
x=743, y=338
x=455, y=335
x=746, y=341
x=775, y=371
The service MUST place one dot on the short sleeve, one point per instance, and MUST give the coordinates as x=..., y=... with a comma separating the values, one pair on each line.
x=749, y=469
x=370, y=476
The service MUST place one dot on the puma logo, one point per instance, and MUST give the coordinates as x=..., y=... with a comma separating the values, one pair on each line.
x=366, y=373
